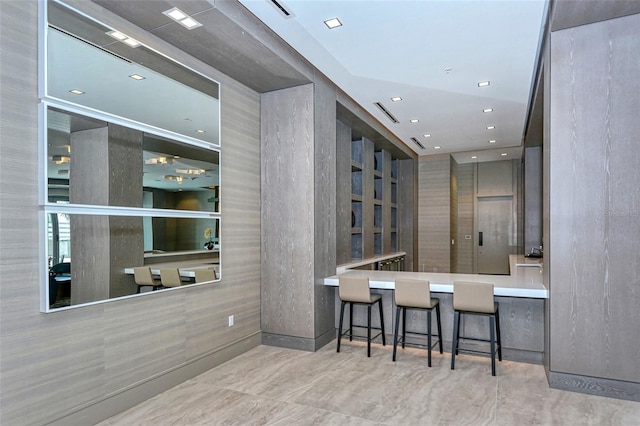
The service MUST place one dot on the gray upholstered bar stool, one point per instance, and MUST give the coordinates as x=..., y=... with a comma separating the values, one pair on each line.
x=476, y=299
x=415, y=294
x=355, y=290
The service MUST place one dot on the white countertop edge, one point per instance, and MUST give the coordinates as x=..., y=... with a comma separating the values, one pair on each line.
x=532, y=293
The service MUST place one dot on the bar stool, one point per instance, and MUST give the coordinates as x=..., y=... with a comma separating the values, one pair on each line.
x=476, y=299
x=170, y=277
x=203, y=275
x=415, y=295
x=355, y=290
x=143, y=278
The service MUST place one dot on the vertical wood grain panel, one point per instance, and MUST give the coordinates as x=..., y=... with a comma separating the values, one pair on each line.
x=288, y=211
x=408, y=211
x=343, y=193
x=594, y=191
x=464, y=248
x=325, y=220
x=532, y=198
x=55, y=364
x=454, y=214
x=434, y=213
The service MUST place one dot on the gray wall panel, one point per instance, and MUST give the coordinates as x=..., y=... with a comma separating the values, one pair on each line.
x=287, y=134
x=57, y=364
x=593, y=222
x=434, y=213
x=343, y=193
x=325, y=202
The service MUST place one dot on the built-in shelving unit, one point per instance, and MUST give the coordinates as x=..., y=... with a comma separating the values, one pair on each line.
x=374, y=208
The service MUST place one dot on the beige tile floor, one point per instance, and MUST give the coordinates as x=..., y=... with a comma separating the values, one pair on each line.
x=276, y=386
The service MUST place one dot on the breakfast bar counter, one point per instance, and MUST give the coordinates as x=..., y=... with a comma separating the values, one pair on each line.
x=521, y=295
x=523, y=282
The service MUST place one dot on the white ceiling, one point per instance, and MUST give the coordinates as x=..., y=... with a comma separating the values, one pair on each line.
x=432, y=53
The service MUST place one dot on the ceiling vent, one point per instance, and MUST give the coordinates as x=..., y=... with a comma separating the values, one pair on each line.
x=386, y=112
x=414, y=140
x=281, y=8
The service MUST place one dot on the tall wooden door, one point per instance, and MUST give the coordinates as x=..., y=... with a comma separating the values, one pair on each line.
x=493, y=234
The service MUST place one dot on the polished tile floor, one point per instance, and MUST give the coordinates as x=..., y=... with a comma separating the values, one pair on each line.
x=276, y=386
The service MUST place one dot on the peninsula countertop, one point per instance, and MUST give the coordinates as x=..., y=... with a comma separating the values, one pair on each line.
x=523, y=282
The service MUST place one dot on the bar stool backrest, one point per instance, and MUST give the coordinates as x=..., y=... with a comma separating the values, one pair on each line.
x=142, y=276
x=414, y=293
x=203, y=275
x=473, y=297
x=354, y=289
x=170, y=277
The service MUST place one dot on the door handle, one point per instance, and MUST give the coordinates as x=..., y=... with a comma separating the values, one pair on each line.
x=480, y=239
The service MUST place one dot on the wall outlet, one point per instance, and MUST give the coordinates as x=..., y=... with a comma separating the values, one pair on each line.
x=230, y=320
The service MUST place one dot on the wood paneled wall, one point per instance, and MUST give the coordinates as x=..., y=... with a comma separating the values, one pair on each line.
x=325, y=212
x=343, y=193
x=288, y=212
x=594, y=209
x=532, y=198
x=434, y=213
x=81, y=365
x=466, y=196
x=298, y=214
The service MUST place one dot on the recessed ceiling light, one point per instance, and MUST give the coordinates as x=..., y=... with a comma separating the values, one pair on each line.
x=76, y=92
x=396, y=99
x=414, y=120
x=182, y=18
x=473, y=157
x=427, y=135
x=175, y=14
x=131, y=42
x=136, y=77
x=487, y=110
x=492, y=141
x=484, y=83
x=491, y=127
x=504, y=154
x=123, y=38
x=200, y=131
x=333, y=23
x=190, y=23
x=436, y=147
x=117, y=35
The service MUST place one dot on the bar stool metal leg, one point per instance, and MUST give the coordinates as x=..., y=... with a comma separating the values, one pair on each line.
x=429, y=338
x=439, y=326
x=340, y=327
x=395, y=334
x=492, y=336
x=369, y=331
x=404, y=325
x=498, y=332
x=384, y=340
x=350, y=321
x=454, y=339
